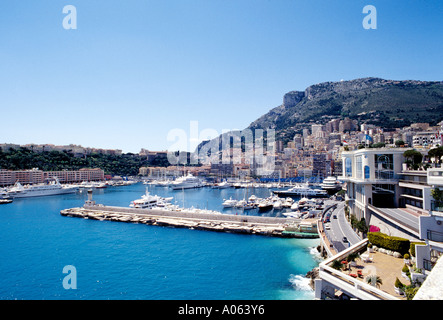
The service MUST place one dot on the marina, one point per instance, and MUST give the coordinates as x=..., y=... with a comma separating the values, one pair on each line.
x=158, y=211
x=142, y=260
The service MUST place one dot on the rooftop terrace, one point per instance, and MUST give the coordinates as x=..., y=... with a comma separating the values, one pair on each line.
x=351, y=279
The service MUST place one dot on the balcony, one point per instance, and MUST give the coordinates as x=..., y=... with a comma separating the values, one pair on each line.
x=434, y=235
x=436, y=206
x=435, y=177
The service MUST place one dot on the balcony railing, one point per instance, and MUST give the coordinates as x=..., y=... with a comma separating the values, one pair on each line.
x=436, y=206
x=428, y=264
x=435, y=236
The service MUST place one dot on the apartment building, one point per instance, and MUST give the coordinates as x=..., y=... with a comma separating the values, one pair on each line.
x=365, y=171
x=8, y=177
x=431, y=225
x=372, y=177
x=36, y=176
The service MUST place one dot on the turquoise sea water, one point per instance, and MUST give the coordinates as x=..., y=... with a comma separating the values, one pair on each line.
x=117, y=260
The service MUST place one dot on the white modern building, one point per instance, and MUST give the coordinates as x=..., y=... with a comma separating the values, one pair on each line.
x=400, y=202
x=372, y=183
x=431, y=226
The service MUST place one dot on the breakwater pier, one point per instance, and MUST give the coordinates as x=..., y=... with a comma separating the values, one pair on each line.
x=259, y=225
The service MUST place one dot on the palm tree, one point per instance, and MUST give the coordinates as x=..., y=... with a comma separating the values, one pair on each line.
x=374, y=280
x=336, y=264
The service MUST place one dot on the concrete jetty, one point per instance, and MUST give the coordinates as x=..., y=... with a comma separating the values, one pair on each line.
x=267, y=226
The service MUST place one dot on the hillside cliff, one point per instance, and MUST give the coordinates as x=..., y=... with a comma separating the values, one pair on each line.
x=386, y=103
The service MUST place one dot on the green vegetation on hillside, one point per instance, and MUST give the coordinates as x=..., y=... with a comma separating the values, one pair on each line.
x=126, y=164
x=385, y=103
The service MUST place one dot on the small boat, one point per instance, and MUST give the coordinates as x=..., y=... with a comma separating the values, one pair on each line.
x=240, y=203
x=224, y=185
x=229, y=203
x=265, y=206
x=277, y=205
x=5, y=201
x=292, y=214
x=248, y=206
x=288, y=202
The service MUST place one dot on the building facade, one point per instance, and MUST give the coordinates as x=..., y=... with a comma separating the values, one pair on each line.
x=36, y=176
x=372, y=177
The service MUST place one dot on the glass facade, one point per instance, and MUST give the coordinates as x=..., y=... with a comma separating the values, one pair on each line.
x=384, y=166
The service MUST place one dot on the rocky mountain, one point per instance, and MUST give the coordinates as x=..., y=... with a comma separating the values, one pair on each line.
x=386, y=103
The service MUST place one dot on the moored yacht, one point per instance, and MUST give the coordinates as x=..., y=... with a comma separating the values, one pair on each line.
x=187, y=182
x=229, y=203
x=149, y=201
x=331, y=184
x=39, y=190
x=302, y=190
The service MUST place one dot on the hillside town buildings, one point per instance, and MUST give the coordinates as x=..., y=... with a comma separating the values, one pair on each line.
x=314, y=152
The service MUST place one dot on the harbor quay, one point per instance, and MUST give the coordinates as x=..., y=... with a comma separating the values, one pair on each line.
x=258, y=225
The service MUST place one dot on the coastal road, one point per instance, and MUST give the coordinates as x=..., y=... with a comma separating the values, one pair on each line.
x=339, y=228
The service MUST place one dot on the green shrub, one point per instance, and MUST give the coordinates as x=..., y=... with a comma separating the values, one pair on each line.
x=406, y=270
x=382, y=240
x=398, y=283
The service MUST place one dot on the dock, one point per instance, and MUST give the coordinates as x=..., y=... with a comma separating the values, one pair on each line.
x=258, y=225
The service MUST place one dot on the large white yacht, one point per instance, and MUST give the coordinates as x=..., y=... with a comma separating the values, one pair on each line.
x=187, y=182
x=149, y=201
x=39, y=190
x=302, y=190
x=330, y=184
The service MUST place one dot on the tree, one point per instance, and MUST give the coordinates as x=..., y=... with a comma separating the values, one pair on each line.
x=413, y=158
x=436, y=153
x=399, y=143
x=437, y=194
x=378, y=145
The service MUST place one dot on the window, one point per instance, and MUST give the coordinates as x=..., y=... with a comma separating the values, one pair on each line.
x=384, y=166
x=367, y=172
x=358, y=167
x=348, y=167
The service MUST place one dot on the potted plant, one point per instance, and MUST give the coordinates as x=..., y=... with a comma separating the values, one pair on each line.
x=399, y=287
x=407, y=259
x=417, y=275
x=405, y=272
x=370, y=250
x=374, y=280
x=351, y=259
x=336, y=264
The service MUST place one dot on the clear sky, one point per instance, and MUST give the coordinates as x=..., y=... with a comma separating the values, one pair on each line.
x=134, y=70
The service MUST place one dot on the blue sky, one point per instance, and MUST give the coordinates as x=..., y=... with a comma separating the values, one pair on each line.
x=134, y=70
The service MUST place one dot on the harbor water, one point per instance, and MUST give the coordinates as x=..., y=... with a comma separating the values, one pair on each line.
x=116, y=260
